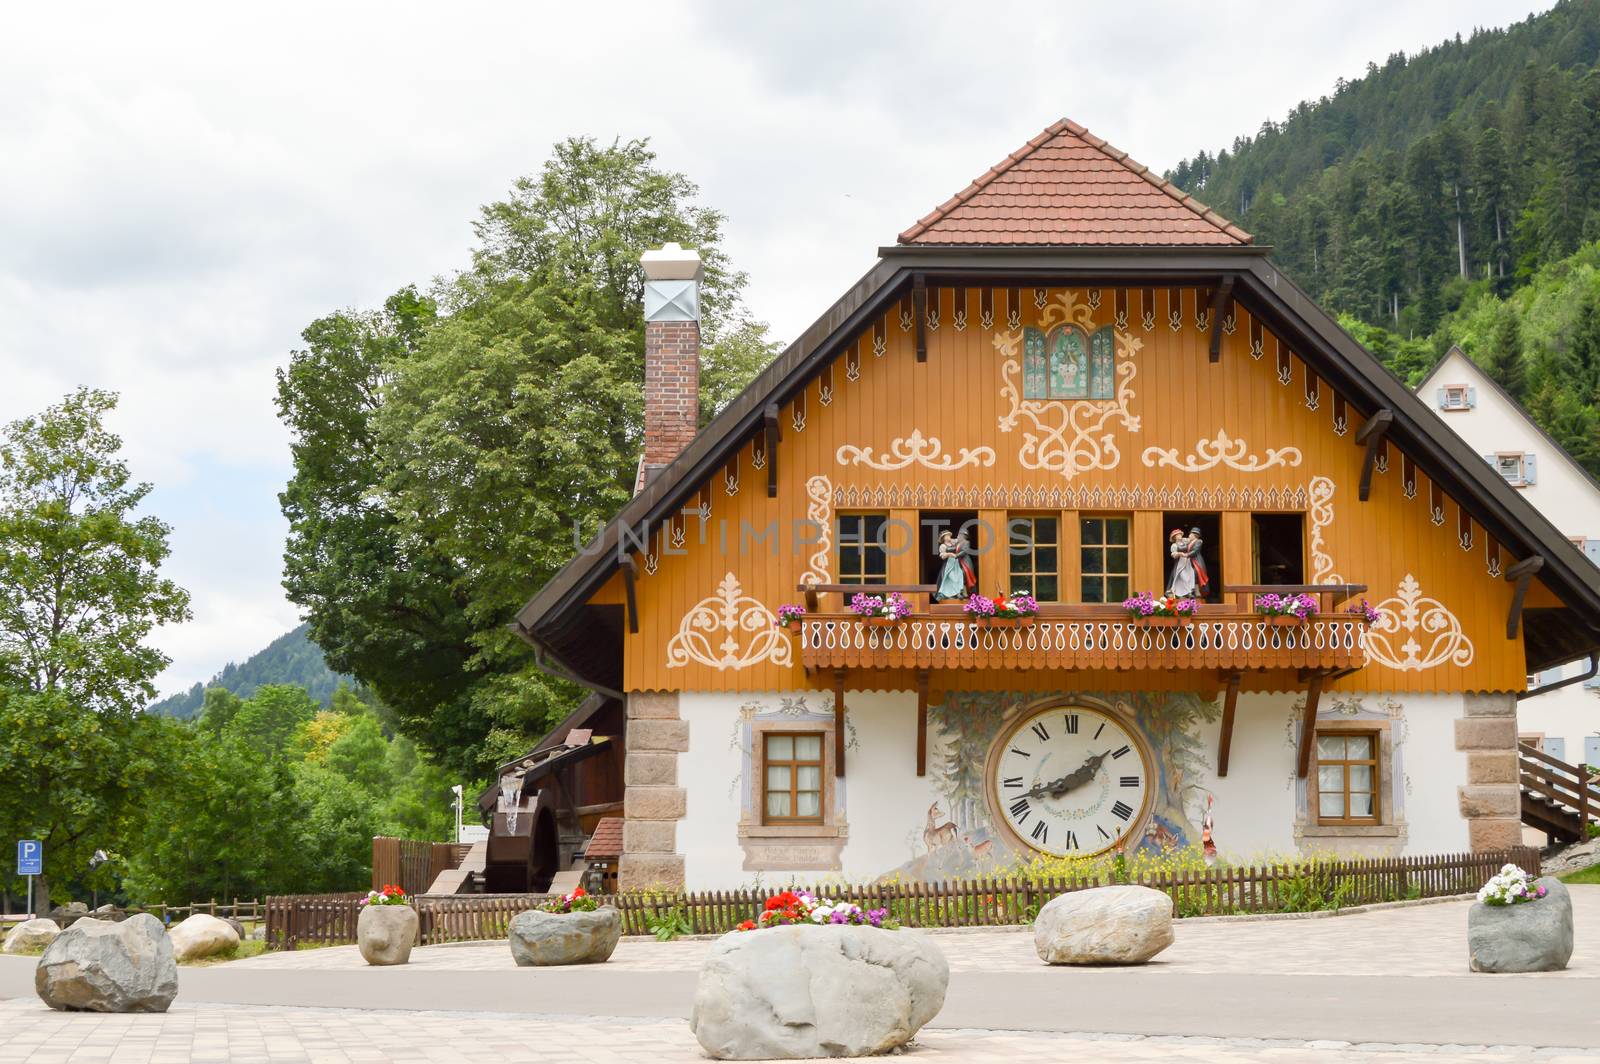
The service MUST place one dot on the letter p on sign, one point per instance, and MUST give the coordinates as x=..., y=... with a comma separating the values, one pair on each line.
x=30, y=857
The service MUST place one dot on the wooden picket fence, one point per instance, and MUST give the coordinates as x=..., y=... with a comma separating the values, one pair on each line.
x=330, y=919
x=412, y=864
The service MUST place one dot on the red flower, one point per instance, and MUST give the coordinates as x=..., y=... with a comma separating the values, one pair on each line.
x=579, y=892
x=748, y=925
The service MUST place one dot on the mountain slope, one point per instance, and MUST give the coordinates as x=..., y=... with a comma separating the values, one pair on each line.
x=290, y=659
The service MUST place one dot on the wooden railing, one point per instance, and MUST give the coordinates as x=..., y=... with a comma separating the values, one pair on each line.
x=245, y=910
x=1563, y=798
x=1284, y=887
x=1054, y=641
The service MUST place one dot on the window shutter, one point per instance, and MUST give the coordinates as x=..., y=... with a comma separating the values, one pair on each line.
x=1472, y=397
x=1529, y=470
x=1438, y=394
x=1556, y=748
x=1591, y=547
x=1591, y=749
x=1490, y=459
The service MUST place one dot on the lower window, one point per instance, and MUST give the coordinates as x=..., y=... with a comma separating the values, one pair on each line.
x=792, y=784
x=1347, y=777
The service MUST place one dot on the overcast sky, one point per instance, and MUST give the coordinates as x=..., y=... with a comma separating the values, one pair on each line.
x=183, y=188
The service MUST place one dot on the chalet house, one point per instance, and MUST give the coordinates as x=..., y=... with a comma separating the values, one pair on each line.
x=1067, y=361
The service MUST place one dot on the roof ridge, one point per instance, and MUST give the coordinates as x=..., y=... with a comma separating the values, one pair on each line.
x=1110, y=151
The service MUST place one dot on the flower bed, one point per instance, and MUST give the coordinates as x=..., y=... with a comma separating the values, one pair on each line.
x=389, y=895
x=880, y=609
x=1510, y=886
x=579, y=901
x=1020, y=608
x=801, y=907
x=1287, y=609
x=1167, y=609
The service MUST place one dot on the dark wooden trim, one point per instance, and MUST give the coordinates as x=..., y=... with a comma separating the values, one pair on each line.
x=1371, y=436
x=774, y=433
x=1521, y=574
x=1219, y=302
x=922, y=722
x=1225, y=739
x=630, y=575
x=838, y=722
x=1308, y=723
x=919, y=314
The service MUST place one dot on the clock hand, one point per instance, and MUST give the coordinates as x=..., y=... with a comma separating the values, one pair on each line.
x=1076, y=778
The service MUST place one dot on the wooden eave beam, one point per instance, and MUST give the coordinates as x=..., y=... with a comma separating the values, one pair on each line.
x=1371, y=436
x=1219, y=301
x=838, y=722
x=630, y=577
x=1225, y=740
x=922, y=722
x=774, y=433
x=1522, y=575
x=1308, y=723
x=919, y=314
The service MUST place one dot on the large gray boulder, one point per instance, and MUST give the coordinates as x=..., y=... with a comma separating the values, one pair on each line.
x=100, y=966
x=540, y=938
x=30, y=935
x=386, y=933
x=202, y=936
x=1104, y=925
x=70, y=913
x=826, y=990
x=1535, y=936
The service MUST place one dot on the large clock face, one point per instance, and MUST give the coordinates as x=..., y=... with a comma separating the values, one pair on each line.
x=1070, y=780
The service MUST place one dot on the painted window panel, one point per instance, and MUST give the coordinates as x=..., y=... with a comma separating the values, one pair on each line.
x=1069, y=364
x=1102, y=364
x=1033, y=369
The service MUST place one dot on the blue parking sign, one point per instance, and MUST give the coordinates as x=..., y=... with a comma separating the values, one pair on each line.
x=30, y=857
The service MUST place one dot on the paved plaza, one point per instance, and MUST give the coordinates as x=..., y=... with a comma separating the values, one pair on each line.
x=1384, y=987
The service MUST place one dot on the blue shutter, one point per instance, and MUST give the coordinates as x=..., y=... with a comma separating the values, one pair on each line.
x=1472, y=397
x=1591, y=547
x=1591, y=750
x=1438, y=395
x=1530, y=471
x=1550, y=676
x=1556, y=748
x=1490, y=459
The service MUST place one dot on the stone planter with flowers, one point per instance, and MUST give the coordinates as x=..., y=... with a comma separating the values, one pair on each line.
x=1519, y=924
x=387, y=927
x=571, y=929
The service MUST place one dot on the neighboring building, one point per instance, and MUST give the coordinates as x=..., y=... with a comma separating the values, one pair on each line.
x=1564, y=721
x=1069, y=359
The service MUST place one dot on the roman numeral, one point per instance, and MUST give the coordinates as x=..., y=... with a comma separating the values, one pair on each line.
x=1130, y=781
x=1122, y=810
x=1011, y=781
x=1103, y=833
x=1020, y=809
x=1072, y=724
x=1098, y=730
x=1072, y=840
x=1024, y=753
x=1040, y=730
x=1041, y=833
x=1120, y=752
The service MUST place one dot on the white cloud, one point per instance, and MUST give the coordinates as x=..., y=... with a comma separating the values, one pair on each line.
x=184, y=188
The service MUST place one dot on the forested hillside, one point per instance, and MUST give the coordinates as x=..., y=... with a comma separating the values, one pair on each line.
x=1451, y=196
x=290, y=659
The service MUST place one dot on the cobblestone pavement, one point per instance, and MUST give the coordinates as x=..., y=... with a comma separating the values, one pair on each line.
x=32, y=1034
x=1422, y=941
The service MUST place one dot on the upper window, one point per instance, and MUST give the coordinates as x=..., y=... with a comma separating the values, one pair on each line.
x=1513, y=467
x=1068, y=363
x=1103, y=558
x=1455, y=397
x=1035, y=551
x=792, y=787
x=1347, y=777
x=862, y=557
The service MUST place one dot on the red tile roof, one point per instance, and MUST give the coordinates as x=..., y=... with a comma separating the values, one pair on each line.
x=606, y=842
x=1068, y=187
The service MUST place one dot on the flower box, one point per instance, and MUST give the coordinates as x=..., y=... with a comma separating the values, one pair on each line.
x=1277, y=620
x=1008, y=622
x=881, y=622
x=1167, y=622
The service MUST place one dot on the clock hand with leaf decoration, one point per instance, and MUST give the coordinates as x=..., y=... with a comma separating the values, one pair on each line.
x=1069, y=780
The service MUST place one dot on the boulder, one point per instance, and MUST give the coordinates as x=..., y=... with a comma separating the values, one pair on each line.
x=201, y=936
x=540, y=938
x=1104, y=925
x=30, y=935
x=108, y=912
x=238, y=928
x=100, y=966
x=1535, y=936
x=66, y=915
x=386, y=933
x=816, y=991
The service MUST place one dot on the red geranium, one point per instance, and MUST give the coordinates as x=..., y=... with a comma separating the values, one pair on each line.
x=748, y=925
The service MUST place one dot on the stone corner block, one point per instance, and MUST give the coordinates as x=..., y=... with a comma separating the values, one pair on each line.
x=1494, y=833
x=654, y=803
x=650, y=871
x=653, y=705
x=1493, y=766
x=665, y=735
x=1489, y=705
x=1489, y=800
x=650, y=768
x=1486, y=733
x=650, y=836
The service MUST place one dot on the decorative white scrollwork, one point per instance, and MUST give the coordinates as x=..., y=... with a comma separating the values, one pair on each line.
x=915, y=449
x=1222, y=450
x=749, y=632
x=819, y=511
x=1320, y=504
x=1411, y=612
x=1068, y=436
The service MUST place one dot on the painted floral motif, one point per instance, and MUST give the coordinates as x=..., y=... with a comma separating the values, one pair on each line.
x=1221, y=450
x=819, y=511
x=1411, y=615
x=915, y=449
x=748, y=629
x=1320, y=497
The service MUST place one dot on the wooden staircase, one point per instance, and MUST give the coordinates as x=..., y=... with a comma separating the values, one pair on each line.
x=1557, y=798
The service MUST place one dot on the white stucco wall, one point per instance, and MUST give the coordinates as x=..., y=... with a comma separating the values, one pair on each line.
x=886, y=804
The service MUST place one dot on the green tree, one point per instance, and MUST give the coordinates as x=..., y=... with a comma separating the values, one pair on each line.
x=80, y=591
x=1505, y=363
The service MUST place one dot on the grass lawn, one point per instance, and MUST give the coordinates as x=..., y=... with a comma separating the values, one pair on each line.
x=248, y=948
x=1583, y=875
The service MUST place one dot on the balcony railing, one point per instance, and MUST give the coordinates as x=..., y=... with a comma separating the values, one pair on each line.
x=1211, y=641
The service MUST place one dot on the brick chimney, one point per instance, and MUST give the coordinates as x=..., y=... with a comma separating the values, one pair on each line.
x=671, y=356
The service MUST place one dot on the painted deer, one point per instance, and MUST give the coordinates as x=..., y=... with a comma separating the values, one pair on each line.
x=936, y=834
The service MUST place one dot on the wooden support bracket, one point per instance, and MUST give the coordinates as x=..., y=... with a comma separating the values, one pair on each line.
x=919, y=313
x=922, y=722
x=1219, y=302
x=1308, y=723
x=774, y=432
x=838, y=722
x=1225, y=741
x=1520, y=574
x=630, y=577
x=1371, y=436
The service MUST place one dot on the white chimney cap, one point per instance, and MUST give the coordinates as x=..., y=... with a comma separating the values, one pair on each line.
x=671, y=263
